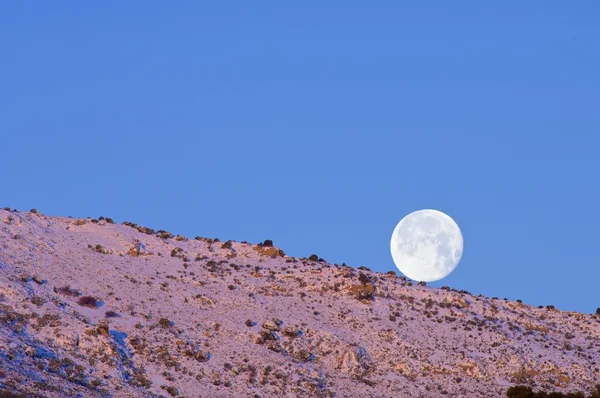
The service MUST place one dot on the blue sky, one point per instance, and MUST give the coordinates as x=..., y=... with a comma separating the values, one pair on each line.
x=319, y=126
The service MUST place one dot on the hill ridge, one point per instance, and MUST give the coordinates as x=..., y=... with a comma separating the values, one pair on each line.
x=175, y=316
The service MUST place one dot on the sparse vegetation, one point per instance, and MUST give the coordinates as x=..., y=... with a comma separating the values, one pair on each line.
x=164, y=234
x=227, y=245
x=182, y=310
x=522, y=391
x=88, y=301
x=68, y=291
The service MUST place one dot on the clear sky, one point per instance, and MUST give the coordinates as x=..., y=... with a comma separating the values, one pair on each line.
x=319, y=125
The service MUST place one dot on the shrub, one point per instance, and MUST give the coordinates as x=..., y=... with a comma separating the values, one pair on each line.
x=393, y=273
x=313, y=257
x=37, y=300
x=227, y=245
x=88, y=301
x=130, y=224
x=180, y=238
x=422, y=283
x=520, y=392
x=34, y=211
x=363, y=292
x=527, y=392
x=111, y=314
x=266, y=243
x=164, y=234
x=171, y=390
x=165, y=323
x=598, y=311
x=67, y=291
x=146, y=230
x=363, y=278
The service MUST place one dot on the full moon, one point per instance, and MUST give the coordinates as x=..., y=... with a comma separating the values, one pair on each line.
x=426, y=245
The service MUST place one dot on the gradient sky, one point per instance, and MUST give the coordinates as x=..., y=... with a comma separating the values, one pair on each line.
x=319, y=125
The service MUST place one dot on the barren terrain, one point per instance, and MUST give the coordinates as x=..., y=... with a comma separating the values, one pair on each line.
x=82, y=313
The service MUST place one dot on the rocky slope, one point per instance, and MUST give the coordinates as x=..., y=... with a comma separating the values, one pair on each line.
x=82, y=314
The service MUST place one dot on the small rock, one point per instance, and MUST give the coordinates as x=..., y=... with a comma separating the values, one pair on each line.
x=266, y=335
x=202, y=356
x=290, y=331
x=354, y=361
x=270, y=325
x=30, y=351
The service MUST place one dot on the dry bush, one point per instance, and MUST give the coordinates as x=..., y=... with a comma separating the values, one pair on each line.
x=88, y=301
x=68, y=291
x=164, y=234
x=363, y=278
x=227, y=245
x=146, y=230
x=363, y=292
x=130, y=224
x=176, y=252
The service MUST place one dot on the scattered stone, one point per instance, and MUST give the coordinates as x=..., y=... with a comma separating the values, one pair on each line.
x=270, y=325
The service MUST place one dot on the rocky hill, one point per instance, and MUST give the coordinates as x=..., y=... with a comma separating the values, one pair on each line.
x=91, y=308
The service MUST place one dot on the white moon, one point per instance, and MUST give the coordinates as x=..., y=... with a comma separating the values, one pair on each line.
x=426, y=245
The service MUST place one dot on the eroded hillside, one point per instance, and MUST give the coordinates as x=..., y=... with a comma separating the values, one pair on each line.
x=94, y=308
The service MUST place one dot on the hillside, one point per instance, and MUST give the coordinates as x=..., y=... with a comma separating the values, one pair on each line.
x=82, y=314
